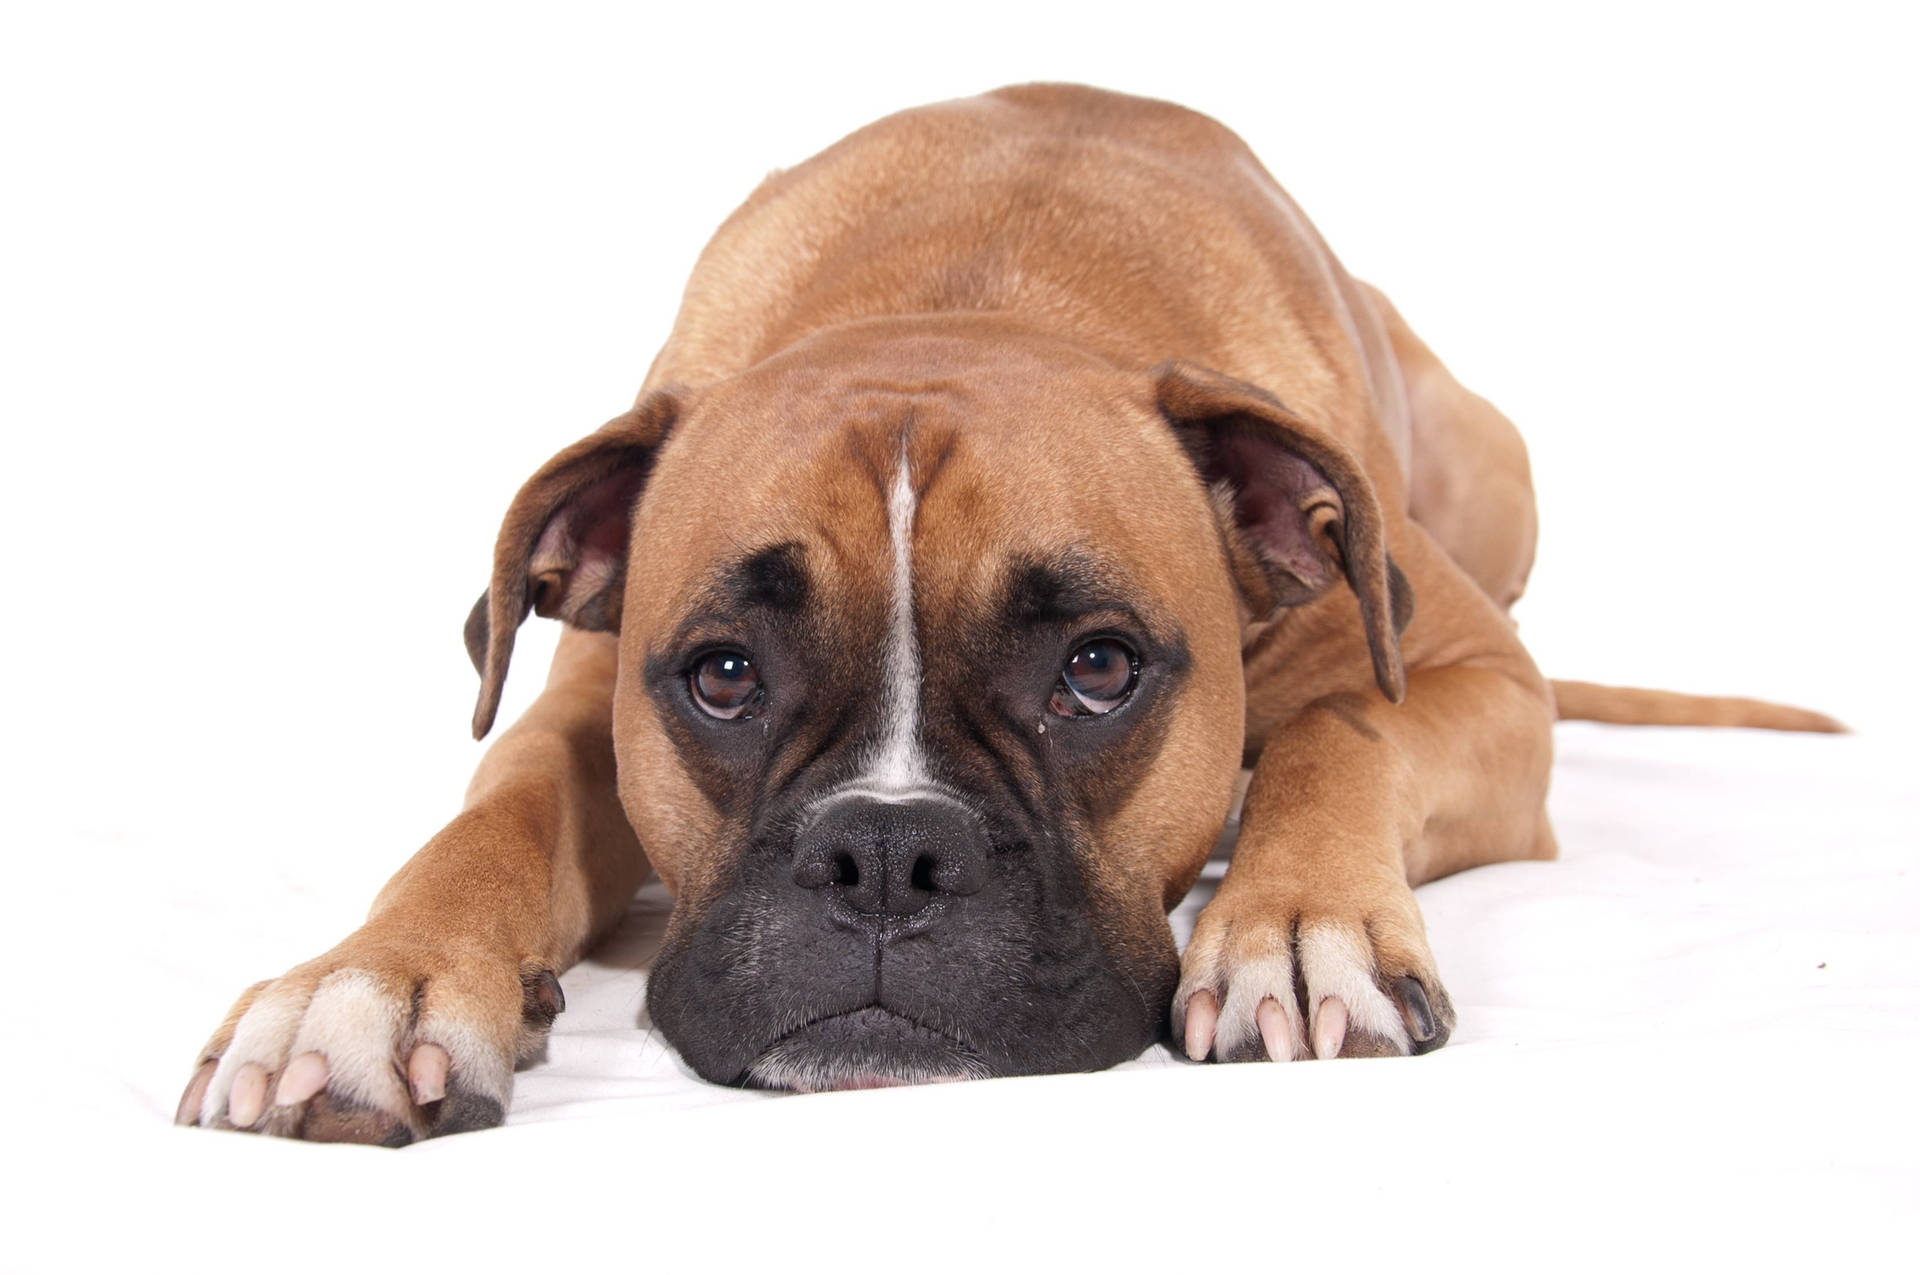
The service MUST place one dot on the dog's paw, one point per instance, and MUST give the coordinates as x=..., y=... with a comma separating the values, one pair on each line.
x=1265, y=979
x=377, y=1041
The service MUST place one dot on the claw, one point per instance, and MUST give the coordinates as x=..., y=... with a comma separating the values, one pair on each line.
x=195, y=1093
x=1274, y=1030
x=1414, y=1008
x=304, y=1077
x=1329, y=1027
x=1203, y=1015
x=248, y=1097
x=427, y=1073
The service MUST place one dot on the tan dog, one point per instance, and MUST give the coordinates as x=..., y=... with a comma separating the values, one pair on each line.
x=1018, y=468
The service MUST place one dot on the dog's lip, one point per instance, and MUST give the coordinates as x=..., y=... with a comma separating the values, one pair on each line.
x=878, y=1015
x=875, y=1010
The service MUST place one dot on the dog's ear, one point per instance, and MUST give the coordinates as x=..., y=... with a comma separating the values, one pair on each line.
x=562, y=550
x=1298, y=509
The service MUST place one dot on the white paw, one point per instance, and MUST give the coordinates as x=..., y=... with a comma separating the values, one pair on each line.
x=1267, y=982
x=385, y=1051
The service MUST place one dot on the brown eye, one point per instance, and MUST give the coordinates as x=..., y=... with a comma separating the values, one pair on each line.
x=1096, y=679
x=726, y=685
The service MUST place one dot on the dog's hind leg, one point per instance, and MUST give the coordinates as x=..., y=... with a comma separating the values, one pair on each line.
x=411, y=1027
x=1471, y=486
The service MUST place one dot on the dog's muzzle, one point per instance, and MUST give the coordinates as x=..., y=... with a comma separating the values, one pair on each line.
x=894, y=939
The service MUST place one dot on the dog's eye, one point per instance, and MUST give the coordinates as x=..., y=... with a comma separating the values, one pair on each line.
x=1096, y=679
x=726, y=685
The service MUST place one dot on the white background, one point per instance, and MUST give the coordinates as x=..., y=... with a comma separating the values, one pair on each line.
x=295, y=296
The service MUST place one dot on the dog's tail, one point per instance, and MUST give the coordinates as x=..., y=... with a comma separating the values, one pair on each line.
x=1632, y=706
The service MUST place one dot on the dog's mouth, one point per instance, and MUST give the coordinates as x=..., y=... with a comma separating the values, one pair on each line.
x=870, y=1048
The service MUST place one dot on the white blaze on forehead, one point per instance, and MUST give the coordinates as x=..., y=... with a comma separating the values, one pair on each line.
x=899, y=765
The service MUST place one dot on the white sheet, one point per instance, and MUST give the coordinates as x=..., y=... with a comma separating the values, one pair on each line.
x=1690, y=1037
x=293, y=303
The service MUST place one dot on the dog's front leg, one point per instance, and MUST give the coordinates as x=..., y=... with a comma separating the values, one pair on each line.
x=411, y=1027
x=1314, y=946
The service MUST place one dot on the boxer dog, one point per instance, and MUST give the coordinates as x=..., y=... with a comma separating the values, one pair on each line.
x=1018, y=470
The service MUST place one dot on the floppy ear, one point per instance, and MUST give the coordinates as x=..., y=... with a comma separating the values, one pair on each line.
x=1300, y=512
x=563, y=546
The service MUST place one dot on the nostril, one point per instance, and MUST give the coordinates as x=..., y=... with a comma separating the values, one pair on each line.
x=880, y=859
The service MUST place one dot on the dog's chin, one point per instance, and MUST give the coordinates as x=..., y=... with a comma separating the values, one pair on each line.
x=870, y=1048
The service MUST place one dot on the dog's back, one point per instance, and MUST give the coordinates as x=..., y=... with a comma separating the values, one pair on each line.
x=1139, y=229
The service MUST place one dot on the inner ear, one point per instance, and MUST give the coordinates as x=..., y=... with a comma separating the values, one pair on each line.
x=562, y=549
x=1287, y=510
x=578, y=566
x=1298, y=512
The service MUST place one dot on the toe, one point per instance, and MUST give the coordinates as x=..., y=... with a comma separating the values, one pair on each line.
x=304, y=1077
x=355, y=1021
x=465, y=1110
x=542, y=1001
x=333, y=1118
x=1260, y=1017
x=1341, y=962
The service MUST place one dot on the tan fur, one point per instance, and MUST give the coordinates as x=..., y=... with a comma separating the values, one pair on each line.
x=538, y=865
x=1021, y=264
x=1635, y=706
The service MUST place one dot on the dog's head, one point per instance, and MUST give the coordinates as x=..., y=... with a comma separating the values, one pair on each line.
x=930, y=700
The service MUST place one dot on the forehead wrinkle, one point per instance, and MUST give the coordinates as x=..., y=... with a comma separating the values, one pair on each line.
x=1063, y=586
x=773, y=578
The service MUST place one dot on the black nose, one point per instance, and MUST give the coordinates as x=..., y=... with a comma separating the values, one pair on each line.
x=891, y=859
